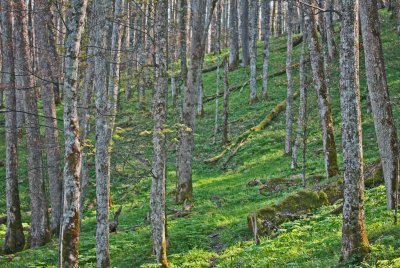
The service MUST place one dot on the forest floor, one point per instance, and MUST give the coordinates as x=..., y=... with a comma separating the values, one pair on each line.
x=215, y=232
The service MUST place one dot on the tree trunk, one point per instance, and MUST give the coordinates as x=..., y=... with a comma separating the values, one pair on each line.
x=70, y=226
x=289, y=99
x=330, y=30
x=39, y=229
x=182, y=24
x=324, y=104
x=253, y=6
x=186, y=141
x=233, y=35
x=157, y=195
x=301, y=120
x=225, y=128
x=244, y=27
x=45, y=62
x=102, y=156
x=380, y=102
x=279, y=18
x=14, y=240
x=218, y=82
x=354, y=236
x=86, y=105
x=265, y=27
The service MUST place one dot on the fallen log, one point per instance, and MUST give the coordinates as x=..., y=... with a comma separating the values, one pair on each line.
x=305, y=201
x=240, y=141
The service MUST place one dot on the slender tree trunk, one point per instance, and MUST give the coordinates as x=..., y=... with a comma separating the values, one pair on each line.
x=265, y=27
x=70, y=226
x=186, y=139
x=218, y=82
x=354, y=236
x=102, y=156
x=233, y=35
x=157, y=196
x=324, y=104
x=244, y=27
x=45, y=61
x=273, y=19
x=385, y=128
x=330, y=31
x=225, y=128
x=253, y=50
x=289, y=99
x=182, y=24
x=39, y=229
x=14, y=240
x=279, y=18
x=86, y=105
x=303, y=97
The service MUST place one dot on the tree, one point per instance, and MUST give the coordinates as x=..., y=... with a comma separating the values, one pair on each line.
x=385, y=128
x=218, y=82
x=46, y=67
x=265, y=27
x=70, y=226
x=233, y=35
x=39, y=228
x=253, y=50
x=279, y=18
x=324, y=104
x=289, y=99
x=244, y=30
x=182, y=24
x=354, y=236
x=102, y=156
x=157, y=196
x=200, y=26
x=14, y=240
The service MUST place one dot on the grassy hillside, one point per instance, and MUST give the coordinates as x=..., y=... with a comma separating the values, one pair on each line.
x=215, y=233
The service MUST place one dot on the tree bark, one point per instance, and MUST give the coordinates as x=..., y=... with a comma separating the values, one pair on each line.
x=354, y=236
x=225, y=128
x=102, y=156
x=279, y=18
x=233, y=35
x=157, y=195
x=218, y=81
x=48, y=81
x=14, y=240
x=70, y=226
x=385, y=128
x=253, y=6
x=39, y=229
x=289, y=99
x=324, y=104
x=182, y=24
x=244, y=27
x=265, y=28
x=186, y=140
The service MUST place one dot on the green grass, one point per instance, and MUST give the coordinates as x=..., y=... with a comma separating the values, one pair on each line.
x=216, y=231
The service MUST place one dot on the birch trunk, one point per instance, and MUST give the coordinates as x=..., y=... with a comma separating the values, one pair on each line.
x=253, y=6
x=354, y=236
x=14, y=239
x=39, y=229
x=70, y=226
x=324, y=104
x=265, y=28
x=289, y=99
x=385, y=128
x=157, y=195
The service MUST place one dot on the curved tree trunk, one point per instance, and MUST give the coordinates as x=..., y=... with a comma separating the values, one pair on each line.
x=14, y=240
x=70, y=226
x=354, y=236
x=380, y=102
